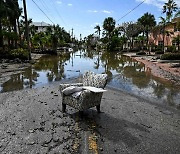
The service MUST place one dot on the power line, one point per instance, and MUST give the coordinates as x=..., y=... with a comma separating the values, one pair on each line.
x=42, y=11
x=57, y=12
x=131, y=10
x=43, y=4
x=60, y=16
x=47, y=9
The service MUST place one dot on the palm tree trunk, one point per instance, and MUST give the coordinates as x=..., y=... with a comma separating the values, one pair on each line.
x=143, y=42
x=20, y=40
x=9, y=40
x=147, y=43
x=15, y=31
x=163, y=37
x=1, y=36
x=178, y=42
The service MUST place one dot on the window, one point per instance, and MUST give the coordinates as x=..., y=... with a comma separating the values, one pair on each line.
x=175, y=42
x=176, y=28
x=160, y=43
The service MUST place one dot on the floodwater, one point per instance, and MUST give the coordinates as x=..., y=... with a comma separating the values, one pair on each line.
x=124, y=73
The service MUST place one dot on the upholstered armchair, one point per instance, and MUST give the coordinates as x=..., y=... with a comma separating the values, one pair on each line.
x=86, y=98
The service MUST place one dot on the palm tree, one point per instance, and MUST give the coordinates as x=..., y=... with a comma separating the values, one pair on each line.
x=109, y=25
x=148, y=22
x=163, y=25
x=98, y=30
x=169, y=8
x=132, y=31
x=2, y=14
x=13, y=12
x=177, y=14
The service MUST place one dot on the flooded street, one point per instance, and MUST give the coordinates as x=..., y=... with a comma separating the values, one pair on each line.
x=124, y=74
x=32, y=120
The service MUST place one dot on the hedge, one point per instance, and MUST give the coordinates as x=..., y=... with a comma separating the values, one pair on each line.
x=171, y=56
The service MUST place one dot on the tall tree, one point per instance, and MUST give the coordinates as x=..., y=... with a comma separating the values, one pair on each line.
x=148, y=22
x=109, y=25
x=13, y=12
x=169, y=8
x=132, y=31
x=2, y=14
x=98, y=30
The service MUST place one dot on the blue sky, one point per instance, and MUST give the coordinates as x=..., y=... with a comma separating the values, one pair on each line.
x=84, y=15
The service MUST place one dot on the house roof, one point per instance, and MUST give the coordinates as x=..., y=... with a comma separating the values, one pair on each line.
x=41, y=24
x=176, y=20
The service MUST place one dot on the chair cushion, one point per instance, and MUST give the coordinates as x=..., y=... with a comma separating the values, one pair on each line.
x=94, y=80
x=72, y=89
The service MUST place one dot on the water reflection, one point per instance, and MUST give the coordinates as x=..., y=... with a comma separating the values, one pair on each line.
x=124, y=73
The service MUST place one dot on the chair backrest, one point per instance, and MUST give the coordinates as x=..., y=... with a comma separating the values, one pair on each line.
x=94, y=80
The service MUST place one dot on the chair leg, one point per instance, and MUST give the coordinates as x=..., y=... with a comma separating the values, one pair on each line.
x=81, y=113
x=98, y=108
x=63, y=107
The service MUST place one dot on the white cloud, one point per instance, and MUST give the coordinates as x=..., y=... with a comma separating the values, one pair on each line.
x=92, y=11
x=69, y=4
x=158, y=3
x=58, y=2
x=105, y=11
x=97, y=23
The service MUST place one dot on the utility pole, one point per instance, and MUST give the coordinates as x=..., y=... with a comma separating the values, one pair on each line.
x=80, y=37
x=27, y=28
x=72, y=34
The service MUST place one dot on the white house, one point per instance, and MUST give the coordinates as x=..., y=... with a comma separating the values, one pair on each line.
x=40, y=26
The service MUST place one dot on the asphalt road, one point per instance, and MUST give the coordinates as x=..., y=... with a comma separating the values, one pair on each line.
x=31, y=122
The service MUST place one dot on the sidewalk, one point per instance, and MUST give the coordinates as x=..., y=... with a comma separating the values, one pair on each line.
x=31, y=121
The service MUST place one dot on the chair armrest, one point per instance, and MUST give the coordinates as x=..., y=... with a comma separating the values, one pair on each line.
x=65, y=85
x=88, y=96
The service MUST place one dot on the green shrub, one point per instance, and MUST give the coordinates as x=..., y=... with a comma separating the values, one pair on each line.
x=171, y=49
x=144, y=48
x=19, y=53
x=134, y=50
x=159, y=52
x=141, y=53
x=171, y=56
x=124, y=50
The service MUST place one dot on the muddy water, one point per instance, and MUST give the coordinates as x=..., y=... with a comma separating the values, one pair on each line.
x=124, y=73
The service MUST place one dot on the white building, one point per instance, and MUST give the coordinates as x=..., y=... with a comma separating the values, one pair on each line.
x=41, y=26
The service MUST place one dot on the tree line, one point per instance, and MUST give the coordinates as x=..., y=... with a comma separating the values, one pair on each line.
x=12, y=31
x=117, y=37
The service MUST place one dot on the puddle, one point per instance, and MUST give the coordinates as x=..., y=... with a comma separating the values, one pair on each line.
x=124, y=73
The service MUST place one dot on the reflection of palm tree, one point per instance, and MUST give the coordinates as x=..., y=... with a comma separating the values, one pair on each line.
x=54, y=65
x=18, y=81
x=97, y=63
x=159, y=90
x=31, y=76
x=139, y=78
x=15, y=83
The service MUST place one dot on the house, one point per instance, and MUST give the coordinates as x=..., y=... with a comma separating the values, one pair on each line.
x=41, y=26
x=172, y=30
